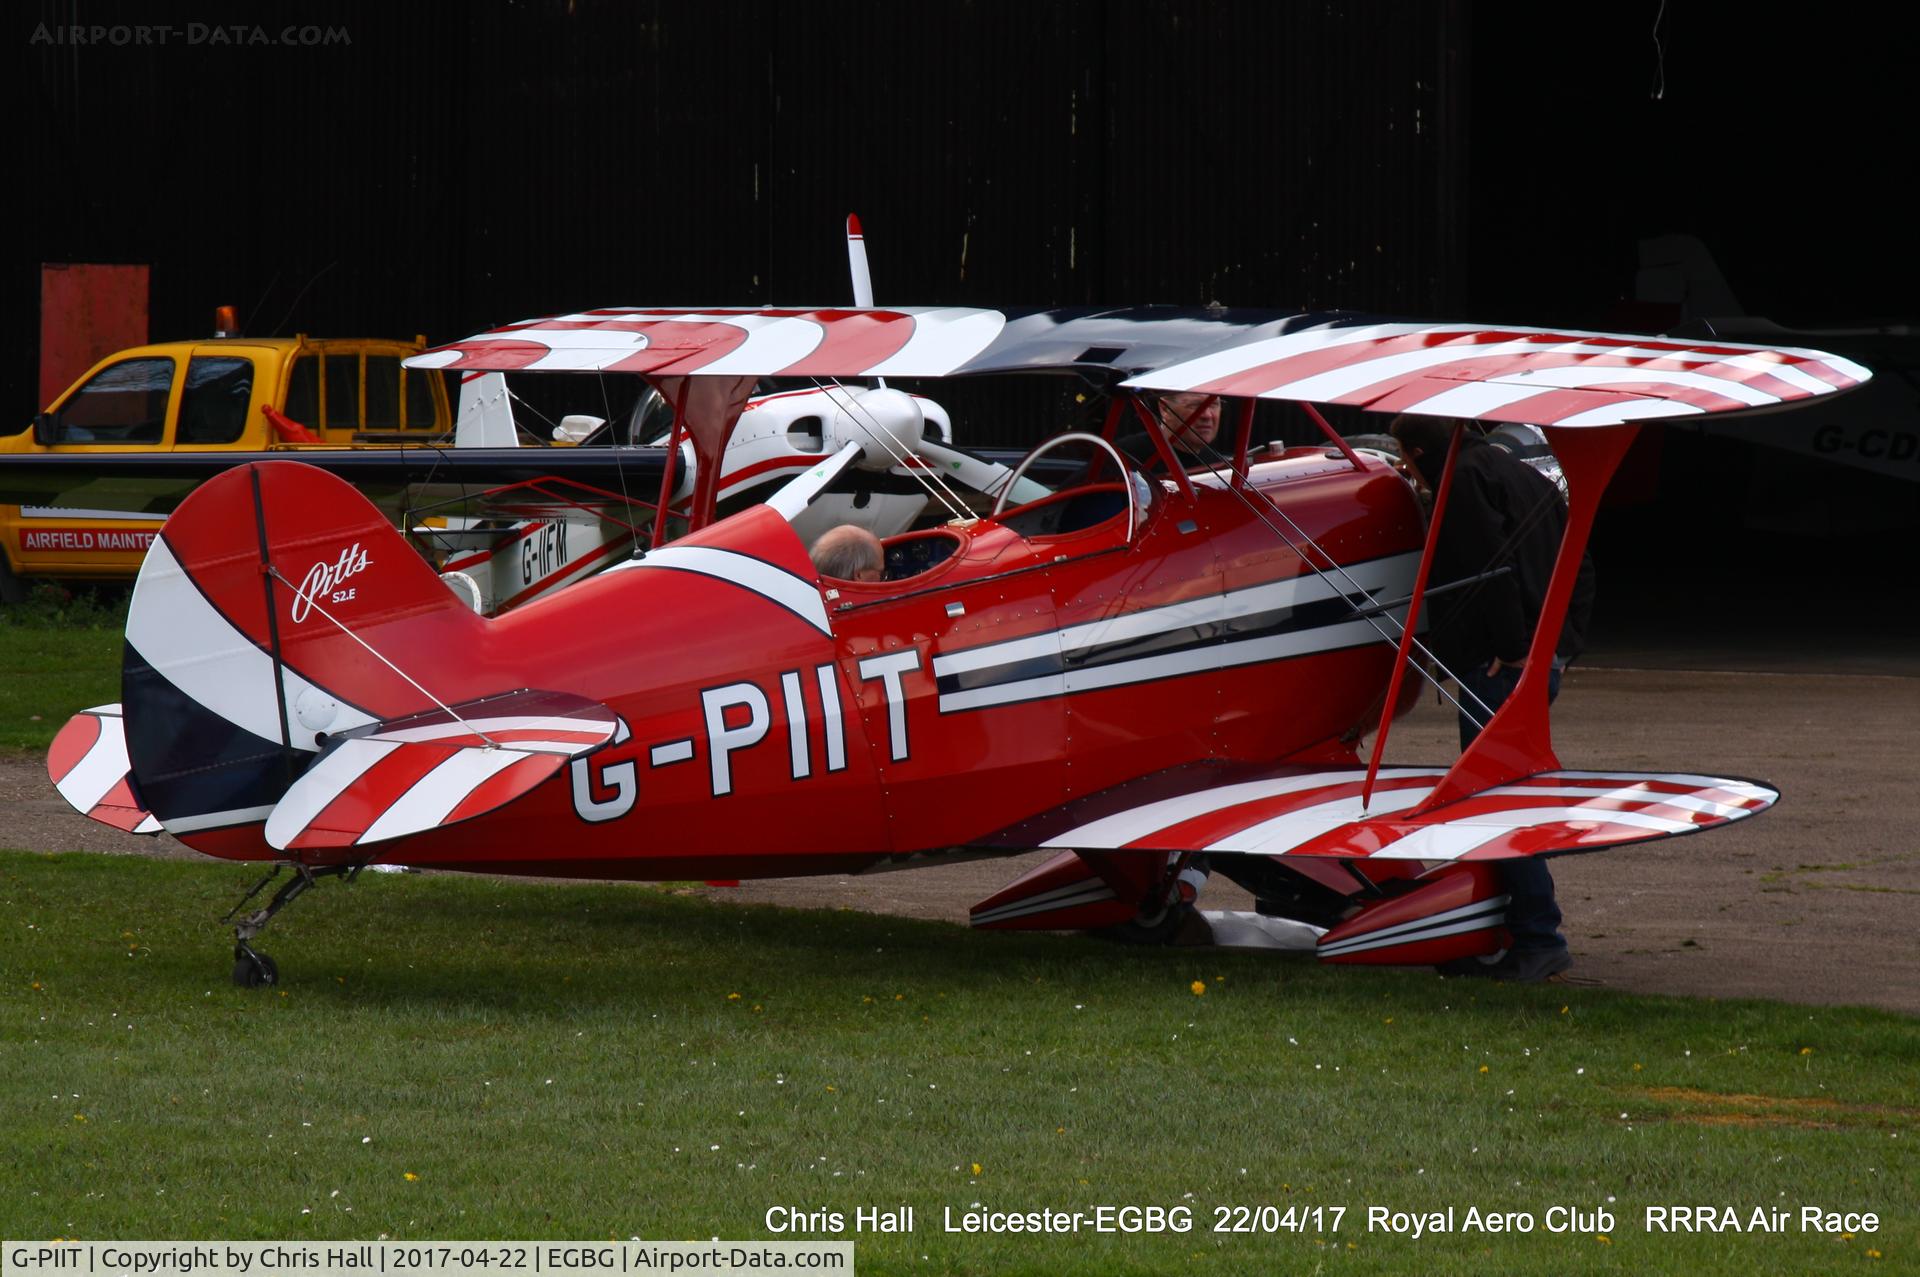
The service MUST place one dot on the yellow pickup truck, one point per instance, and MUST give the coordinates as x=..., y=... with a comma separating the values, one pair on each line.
x=208, y=396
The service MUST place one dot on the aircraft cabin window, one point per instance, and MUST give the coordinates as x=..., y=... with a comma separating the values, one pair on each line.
x=213, y=407
x=123, y=403
x=1069, y=484
x=917, y=552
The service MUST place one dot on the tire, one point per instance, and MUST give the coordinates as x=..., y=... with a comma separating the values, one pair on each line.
x=12, y=588
x=255, y=971
x=1158, y=929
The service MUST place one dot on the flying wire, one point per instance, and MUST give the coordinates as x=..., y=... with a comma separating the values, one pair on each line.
x=927, y=478
x=307, y=597
x=1216, y=459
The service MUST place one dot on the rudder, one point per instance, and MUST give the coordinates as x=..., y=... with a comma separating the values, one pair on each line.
x=254, y=633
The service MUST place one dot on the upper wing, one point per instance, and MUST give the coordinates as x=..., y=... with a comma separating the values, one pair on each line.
x=1316, y=811
x=1533, y=375
x=905, y=341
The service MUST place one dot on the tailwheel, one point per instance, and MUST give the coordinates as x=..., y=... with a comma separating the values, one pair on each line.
x=253, y=969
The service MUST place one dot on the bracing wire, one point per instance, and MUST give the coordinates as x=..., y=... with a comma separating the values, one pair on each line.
x=929, y=479
x=307, y=597
x=1216, y=459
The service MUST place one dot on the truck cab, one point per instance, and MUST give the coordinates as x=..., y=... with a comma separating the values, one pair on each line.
x=209, y=396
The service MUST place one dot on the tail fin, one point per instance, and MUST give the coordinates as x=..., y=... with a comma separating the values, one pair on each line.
x=261, y=623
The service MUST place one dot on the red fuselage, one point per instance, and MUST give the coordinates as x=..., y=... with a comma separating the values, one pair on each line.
x=781, y=724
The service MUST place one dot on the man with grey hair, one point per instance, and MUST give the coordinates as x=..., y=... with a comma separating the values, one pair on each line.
x=849, y=553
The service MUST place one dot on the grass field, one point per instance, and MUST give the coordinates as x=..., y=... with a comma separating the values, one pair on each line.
x=59, y=653
x=471, y=1058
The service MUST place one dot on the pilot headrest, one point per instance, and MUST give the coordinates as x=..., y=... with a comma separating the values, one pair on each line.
x=887, y=425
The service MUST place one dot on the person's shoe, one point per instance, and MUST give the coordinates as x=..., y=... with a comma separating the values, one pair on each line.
x=1530, y=966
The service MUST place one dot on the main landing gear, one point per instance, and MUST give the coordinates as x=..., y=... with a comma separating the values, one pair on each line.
x=251, y=968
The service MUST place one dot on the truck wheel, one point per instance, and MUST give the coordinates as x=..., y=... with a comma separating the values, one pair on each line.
x=12, y=588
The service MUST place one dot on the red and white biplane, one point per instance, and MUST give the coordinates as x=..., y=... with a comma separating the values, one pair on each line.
x=1131, y=664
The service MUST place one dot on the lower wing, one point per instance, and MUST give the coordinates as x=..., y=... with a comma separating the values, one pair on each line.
x=1317, y=811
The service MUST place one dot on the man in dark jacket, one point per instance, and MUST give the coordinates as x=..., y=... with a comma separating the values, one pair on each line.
x=1501, y=513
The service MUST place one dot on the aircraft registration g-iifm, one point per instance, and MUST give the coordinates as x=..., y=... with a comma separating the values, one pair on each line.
x=1132, y=663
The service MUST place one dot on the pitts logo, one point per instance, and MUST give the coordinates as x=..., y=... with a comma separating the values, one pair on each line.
x=323, y=581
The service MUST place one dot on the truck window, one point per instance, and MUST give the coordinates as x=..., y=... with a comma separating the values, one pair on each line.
x=343, y=392
x=383, y=392
x=122, y=403
x=419, y=383
x=303, y=391
x=213, y=407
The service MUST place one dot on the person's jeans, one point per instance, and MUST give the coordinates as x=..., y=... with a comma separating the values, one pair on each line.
x=1533, y=916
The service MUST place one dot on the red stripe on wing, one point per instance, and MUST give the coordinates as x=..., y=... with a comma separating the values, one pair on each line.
x=504, y=786
x=367, y=798
x=1278, y=373
x=676, y=347
x=1212, y=827
x=1311, y=363
x=857, y=339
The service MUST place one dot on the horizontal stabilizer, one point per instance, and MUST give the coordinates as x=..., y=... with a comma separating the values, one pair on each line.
x=1297, y=811
x=409, y=775
x=88, y=765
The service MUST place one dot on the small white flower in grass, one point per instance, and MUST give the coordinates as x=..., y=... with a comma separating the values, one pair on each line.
x=366, y=1139
x=713, y=1148
x=1578, y=1072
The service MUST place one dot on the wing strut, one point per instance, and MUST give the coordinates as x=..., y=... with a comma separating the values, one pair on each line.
x=1518, y=741
x=1413, y=613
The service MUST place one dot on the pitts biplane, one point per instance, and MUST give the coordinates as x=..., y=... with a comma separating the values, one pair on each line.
x=1132, y=663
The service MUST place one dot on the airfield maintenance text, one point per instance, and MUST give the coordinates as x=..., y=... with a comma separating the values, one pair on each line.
x=422, y=1259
